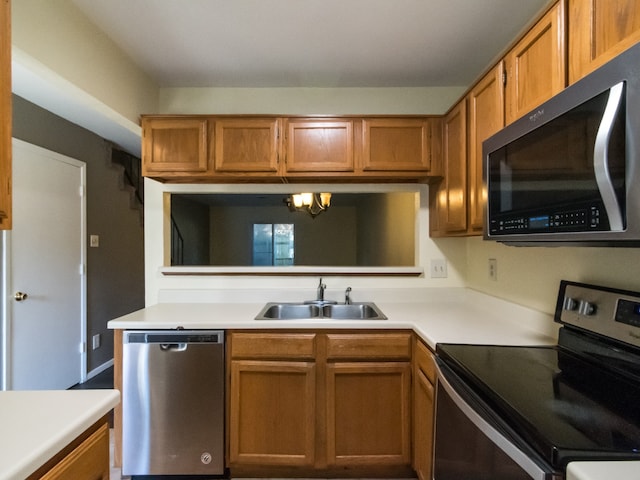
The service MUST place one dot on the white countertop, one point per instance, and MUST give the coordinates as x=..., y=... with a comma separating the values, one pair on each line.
x=439, y=316
x=603, y=470
x=36, y=425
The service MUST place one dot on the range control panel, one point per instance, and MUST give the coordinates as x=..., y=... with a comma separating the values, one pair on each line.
x=606, y=311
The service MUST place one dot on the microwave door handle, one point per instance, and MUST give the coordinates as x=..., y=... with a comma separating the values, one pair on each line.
x=601, y=159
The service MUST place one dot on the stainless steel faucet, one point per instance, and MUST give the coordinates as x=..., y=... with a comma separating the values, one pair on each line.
x=321, y=287
x=347, y=296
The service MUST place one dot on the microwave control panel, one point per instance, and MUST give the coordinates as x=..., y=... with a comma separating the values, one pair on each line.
x=574, y=220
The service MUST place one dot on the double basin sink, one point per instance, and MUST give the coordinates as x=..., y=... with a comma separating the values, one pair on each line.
x=321, y=310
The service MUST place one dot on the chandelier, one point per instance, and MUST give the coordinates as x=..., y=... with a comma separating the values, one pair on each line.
x=312, y=203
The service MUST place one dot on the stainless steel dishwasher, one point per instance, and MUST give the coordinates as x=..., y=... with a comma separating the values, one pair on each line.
x=173, y=402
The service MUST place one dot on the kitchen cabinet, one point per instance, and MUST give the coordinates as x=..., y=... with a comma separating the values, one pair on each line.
x=87, y=457
x=598, y=31
x=208, y=148
x=424, y=374
x=272, y=408
x=319, y=146
x=175, y=147
x=5, y=115
x=368, y=399
x=486, y=117
x=319, y=401
x=531, y=72
x=535, y=66
x=396, y=144
x=248, y=146
x=448, y=209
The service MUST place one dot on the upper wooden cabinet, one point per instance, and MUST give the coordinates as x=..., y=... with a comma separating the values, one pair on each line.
x=486, y=117
x=175, y=146
x=319, y=145
x=450, y=208
x=226, y=148
x=5, y=114
x=598, y=31
x=245, y=145
x=395, y=144
x=535, y=66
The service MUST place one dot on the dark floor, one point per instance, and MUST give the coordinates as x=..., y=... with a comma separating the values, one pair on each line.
x=102, y=380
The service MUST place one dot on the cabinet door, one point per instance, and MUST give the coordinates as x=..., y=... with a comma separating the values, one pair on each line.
x=423, y=411
x=536, y=65
x=5, y=114
x=391, y=144
x=174, y=147
x=486, y=117
x=319, y=145
x=89, y=461
x=272, y=413
x=368, y=416
x=598, y=31
x=454, y=196
x=246, y=145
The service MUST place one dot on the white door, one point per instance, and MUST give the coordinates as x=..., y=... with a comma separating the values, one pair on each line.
x=45, y=260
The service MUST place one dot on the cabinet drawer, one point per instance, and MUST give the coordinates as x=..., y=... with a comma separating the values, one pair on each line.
x=425, y=362
x=273, y=345
x=89, y=460
x=395, y=346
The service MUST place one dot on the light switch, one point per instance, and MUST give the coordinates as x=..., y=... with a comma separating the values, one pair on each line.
x=94, y=241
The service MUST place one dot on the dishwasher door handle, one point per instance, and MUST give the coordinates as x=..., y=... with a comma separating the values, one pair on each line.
x=173, y=347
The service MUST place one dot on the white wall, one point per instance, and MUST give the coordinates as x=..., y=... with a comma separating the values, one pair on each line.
x=61, y=38
x=530, y=275
x=310, y=101
x=181, y=287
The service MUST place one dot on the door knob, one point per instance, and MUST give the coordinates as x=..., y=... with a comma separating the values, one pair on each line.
x=20, y=296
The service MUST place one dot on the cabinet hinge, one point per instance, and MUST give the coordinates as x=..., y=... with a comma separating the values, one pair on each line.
x=504, y=78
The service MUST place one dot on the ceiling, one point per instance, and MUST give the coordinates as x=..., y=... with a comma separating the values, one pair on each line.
x=312, y=43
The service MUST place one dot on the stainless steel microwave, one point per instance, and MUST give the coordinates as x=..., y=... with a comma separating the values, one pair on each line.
x=569, y=171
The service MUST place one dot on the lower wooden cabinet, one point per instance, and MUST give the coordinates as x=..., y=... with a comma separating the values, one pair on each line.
x=320, y=402
x=368, y=413
x=87, y=458
x=423, y=410
x=272, y=413
x=5, y=115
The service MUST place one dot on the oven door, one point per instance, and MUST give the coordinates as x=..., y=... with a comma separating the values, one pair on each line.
x=471, y=443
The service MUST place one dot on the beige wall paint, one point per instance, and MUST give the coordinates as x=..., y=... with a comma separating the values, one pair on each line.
x=57, y=35
x=530, y=275
x=309, y=101
x=390, y=222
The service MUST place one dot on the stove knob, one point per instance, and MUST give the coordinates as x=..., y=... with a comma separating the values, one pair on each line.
x=569, y=304
x=586, y=308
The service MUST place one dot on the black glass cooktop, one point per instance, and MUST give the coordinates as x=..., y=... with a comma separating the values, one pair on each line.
x=564, y=406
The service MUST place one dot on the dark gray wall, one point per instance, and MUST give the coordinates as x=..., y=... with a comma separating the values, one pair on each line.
x=192, y=221
x=115, y=270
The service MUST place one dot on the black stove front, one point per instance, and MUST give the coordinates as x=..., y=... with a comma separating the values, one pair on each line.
x=578, y=400
x=564, y=407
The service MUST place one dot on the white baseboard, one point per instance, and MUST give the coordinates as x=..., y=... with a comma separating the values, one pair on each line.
x=99, y=369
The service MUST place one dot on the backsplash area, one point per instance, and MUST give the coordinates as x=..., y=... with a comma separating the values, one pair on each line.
x=530, y=275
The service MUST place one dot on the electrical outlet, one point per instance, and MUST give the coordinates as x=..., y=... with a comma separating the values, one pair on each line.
x=96, y=341
x=493, y=269
x=438, y=268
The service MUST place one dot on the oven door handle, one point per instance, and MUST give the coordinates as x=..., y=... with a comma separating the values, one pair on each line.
x=518, y=456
